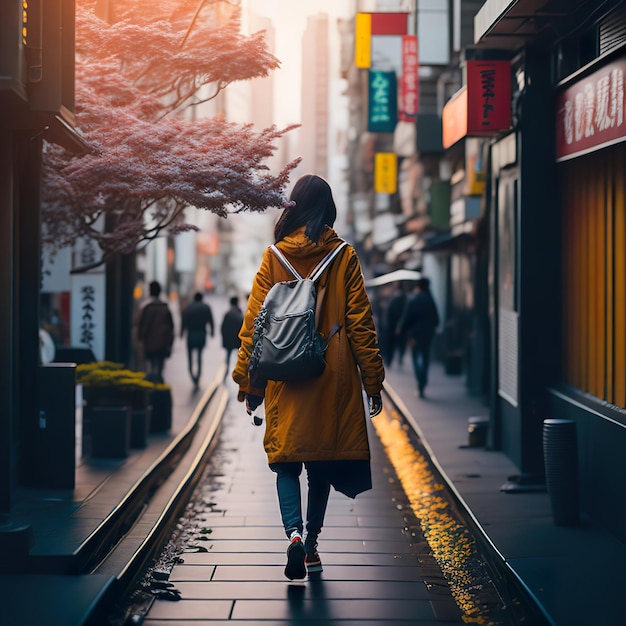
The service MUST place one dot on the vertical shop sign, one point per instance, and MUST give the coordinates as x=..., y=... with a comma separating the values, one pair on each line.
x=382, y=102
x=488, y=97
x=590, y=114
x=369, y=25
x=363, y=40
x=408, y=82
x=385, y=172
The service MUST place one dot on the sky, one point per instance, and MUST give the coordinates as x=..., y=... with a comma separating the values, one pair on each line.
x=289, y=18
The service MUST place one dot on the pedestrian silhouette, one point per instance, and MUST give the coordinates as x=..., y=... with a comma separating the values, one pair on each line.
x=156, y=332
x=396, y=342
x=419, y=321
x=196, y=316
x=231, y=325
x=318, y=422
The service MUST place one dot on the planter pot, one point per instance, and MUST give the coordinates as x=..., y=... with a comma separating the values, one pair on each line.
x=116, y=396
x=110, y=431
x=161, y=417
x=139, y=427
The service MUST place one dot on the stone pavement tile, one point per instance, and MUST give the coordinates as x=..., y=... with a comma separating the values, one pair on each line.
x=218, y=519
x=276, y=572
x=252, y=533
x=336, y=590
x=355, y=545
x=319, y=610
x=329, y=521
x=336, y=533
x=446, y=609
x=278, y=558
x=192, y=609
x=277, y=622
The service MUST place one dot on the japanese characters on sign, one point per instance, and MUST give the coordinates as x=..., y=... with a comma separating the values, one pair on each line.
x=590, y=113
x=488, y=97
x=382, y=102
x=409, y=80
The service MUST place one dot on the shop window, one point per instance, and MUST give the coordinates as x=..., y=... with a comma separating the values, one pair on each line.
x=594, y=273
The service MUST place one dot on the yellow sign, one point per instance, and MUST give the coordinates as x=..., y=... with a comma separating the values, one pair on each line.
x=363, y=40
x=385, y=172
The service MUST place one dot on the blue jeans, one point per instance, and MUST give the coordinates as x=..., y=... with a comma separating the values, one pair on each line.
x=421, y=360
x=289, y=498
x=196, y=340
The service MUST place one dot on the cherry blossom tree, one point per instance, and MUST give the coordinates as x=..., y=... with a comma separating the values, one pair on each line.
x=148, y=162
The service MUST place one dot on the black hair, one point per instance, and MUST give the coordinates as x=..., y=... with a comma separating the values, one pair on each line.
x=198, y=296
x=312, y=206
x=234, y=301
x=155, y=289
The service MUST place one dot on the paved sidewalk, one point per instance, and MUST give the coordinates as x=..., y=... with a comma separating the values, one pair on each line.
x=375, y=572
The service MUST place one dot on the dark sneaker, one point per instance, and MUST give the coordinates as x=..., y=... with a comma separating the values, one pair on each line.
x=312, y=561
x=295, y=559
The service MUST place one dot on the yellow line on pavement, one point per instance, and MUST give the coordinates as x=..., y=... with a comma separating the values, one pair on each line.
x=450, y=541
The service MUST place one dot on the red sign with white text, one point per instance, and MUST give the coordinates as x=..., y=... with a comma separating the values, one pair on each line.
x=590, y=113
x=409, y=90
x=488, y=97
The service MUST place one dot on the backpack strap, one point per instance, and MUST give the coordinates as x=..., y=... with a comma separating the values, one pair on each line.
x=318, y=270
x=285, y=262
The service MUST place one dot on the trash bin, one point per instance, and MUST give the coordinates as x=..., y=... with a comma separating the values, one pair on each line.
x=560, y=452
x=477, y=431
x=54, y=460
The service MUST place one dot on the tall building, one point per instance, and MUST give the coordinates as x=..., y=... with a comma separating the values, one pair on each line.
x=314, y=140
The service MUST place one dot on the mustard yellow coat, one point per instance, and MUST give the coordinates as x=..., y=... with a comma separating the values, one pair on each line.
x=322, y=419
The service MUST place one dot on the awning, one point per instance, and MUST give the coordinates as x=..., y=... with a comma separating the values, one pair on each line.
x=510, y=24
x=392, y=277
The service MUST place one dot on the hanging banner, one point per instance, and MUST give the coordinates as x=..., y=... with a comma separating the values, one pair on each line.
x=590, y=113
x=385, y=172
x=488, y=97
x=408, y=81
x=382, y=102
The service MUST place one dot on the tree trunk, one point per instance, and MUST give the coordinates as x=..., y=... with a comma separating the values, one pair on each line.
x=120, y=284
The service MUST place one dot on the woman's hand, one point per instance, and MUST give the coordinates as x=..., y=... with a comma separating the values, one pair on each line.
x=252, y=402
x=376, y=405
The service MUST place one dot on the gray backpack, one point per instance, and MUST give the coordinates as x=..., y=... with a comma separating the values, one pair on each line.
x=286, y=344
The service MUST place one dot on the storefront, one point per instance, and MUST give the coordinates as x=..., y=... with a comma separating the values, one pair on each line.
x=591, y=157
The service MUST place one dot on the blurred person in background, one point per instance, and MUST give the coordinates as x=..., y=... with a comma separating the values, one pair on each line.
x=419, y=322
x=196, y=316
x=155, y=331
x=231, y=325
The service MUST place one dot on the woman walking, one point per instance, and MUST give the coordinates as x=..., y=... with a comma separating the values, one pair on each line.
x=319, y=423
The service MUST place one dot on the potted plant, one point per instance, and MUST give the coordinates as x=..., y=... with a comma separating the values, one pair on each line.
x=161, y=403
x=108, y=384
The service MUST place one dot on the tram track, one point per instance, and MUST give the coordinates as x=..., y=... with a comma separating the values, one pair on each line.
x=136, y=530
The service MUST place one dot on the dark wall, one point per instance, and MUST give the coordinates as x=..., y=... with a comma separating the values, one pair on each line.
x=601, y=458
